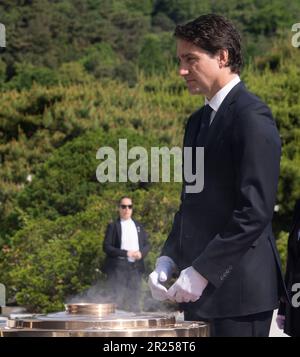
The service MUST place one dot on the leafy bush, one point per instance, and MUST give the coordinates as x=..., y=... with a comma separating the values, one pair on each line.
x=282, y=247
x=51, y=203
x=27, y=74
x=52, y=260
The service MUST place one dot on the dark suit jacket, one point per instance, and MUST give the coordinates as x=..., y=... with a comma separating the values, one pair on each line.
x=112, y=246
x=225, y=231
x=292, y=276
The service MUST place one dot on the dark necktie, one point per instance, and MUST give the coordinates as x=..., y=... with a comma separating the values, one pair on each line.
x=204, y=126
x=201, y=136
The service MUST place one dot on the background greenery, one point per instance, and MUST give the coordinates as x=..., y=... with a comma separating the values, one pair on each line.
x=79, y=75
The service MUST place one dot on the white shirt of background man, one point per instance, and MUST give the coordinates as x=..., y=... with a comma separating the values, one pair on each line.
x=129, y=239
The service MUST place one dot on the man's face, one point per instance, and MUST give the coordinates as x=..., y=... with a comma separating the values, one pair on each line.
x=199, y=68
x=125, y=208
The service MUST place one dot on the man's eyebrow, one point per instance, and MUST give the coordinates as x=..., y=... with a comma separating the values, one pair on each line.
x=187, y=55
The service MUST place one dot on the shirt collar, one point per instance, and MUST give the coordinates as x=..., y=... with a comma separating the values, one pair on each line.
x=126, y=220
x=218, y=98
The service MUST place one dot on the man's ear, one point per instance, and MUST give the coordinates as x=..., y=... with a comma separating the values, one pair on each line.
x=223, y=57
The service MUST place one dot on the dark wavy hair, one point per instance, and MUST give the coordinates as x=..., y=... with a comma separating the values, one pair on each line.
x=212, y=33
x=122, y=198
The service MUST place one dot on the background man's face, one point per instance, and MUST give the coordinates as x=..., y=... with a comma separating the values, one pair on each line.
x=199, y=69
x=125, y=213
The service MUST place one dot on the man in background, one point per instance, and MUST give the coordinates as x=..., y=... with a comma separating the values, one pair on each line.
x=289, y=314
x=126, y=245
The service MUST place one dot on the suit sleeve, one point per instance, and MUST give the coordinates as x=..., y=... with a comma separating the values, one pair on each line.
x=146, y=246
x=171, y=246
x=256, y=152
x=108, y=244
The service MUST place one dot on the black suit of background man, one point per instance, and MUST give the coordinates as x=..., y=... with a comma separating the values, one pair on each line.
x=124, y=277
x=292, y=276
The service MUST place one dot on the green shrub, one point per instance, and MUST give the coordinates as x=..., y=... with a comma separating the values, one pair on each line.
x=26, y=75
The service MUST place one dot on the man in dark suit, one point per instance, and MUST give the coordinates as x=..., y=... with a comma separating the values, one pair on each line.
x=289, y=314
x=221, y=241
x=126, y=245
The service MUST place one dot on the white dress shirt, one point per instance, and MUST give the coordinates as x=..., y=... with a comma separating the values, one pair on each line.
x=129, y=238
x=218, y=98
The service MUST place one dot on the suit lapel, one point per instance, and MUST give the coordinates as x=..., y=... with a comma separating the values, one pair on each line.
x=219, y=123
x=119, y=232
x=138, y=229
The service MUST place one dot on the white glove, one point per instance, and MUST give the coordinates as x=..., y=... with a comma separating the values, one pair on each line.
x=164, y=269
x=188, y=287
x=280, y=319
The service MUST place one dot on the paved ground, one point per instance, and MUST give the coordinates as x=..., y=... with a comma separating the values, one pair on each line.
x=275, y=332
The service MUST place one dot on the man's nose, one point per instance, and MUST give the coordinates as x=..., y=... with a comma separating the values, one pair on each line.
x=183, y=71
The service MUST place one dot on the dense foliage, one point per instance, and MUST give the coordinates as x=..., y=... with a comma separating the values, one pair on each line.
x=111, y=38
x=95, y=72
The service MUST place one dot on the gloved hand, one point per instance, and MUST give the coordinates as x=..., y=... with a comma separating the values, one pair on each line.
x=164, y=269
x=280, y=319
x=188, y=287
